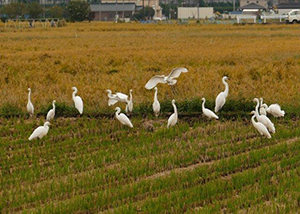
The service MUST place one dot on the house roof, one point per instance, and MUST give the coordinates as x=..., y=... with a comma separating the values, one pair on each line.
x=252, y=6
x=108, y=7
x=288, y=6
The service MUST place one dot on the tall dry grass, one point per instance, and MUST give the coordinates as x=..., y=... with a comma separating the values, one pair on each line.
x=260, y=61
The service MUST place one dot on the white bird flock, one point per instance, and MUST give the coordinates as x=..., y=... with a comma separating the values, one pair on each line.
x=263, y=125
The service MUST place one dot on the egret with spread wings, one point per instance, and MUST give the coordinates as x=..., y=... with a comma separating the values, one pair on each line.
x=170, y=79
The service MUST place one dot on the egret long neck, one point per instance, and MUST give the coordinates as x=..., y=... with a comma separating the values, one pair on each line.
x=130, y=96
x=253, y=121
x=175, y=109
x=117, y=112
x=226, y=87
x=74, y=93
x=53, y=104
x=203, y=105
x=29, y=93
x=155, y=96
x=256, y=107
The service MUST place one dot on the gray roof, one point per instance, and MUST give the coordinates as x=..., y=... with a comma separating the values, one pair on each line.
x=252, y=6
x=288, y=6
x=108, y=7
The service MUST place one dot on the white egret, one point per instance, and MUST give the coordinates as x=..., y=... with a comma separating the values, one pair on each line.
x=221, y=98
x=207, y=112
x=129, y=106
x=275, y=110
x=262, y=118
x=123, y=118
x=174, y=117
x=117, y=97
x=262, y=110
x=77, y=101
x=40, y=131
x=156, y=104
x=263, y=131
x=170, y=79
x=51, y=112
x=30, y=108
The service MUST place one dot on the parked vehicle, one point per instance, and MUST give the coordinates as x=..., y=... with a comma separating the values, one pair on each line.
x=293, y=16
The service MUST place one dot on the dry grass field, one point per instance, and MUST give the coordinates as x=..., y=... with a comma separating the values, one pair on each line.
x=260, y=61
x=94, y=165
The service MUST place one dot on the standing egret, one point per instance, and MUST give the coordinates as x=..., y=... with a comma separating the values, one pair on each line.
x=174, y=117
x=40, y=131
x=170, y=79
x=51, y=112
x=77, y=101
x=208, y=113
x=129, y=106
x=156, y=104
x=262, y=109
x=117, y=97
x=221, y=98
x=275, y=110
x=123, y=118
x=30, y=108
x=262, y=118
x=260, y=127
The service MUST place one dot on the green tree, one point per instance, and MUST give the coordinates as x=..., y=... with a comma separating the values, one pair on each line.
x=78, y=10
x=146, y=12
x=34, y=10
x=14, y=10
x=56, y=11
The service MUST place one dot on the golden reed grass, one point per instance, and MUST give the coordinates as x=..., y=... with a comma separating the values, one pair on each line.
x=261, y=61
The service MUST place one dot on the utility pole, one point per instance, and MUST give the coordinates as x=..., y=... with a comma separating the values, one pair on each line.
x=233, y=5
x=198, y=11
x=116, y=20
x=123, y=11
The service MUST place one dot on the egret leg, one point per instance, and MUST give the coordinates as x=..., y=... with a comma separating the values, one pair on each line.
x=261, y=138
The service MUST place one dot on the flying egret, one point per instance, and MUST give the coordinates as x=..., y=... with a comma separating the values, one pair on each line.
x=221, y=98
x=174, y=117
x=156, y=104
x=40, y=131
x=51, y=112
x=275, y=110
x=263, y=131
x=123, y=118
x=170, y=79
x=262, y=118
x=30, y=108
x=207, y=112
x=262, y=110
x=129, y=106
x=77, y=101
x=117, y=97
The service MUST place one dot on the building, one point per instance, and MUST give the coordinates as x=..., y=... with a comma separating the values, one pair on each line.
x=284, y=8
x=109, y=11
x=252, y=4
x=195, y=12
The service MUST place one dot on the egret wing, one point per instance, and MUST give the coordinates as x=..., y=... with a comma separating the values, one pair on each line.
x=112, y=101
x=176, y=73
x=37, y=132
x=154, y=81
x=122, y=96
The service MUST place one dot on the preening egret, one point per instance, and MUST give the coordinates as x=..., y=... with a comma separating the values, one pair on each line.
x=262, y=118
x=208, y=113
x=170, y=79
x=77, y=101
x=123, y=118
x=275, y=110
x=263, y=131
x=30, y=108
x=51, y=112
x=117, y=97
x=40, y=131
x=156, y=104
x=262, y=110
x=221, y=98
x=174, y=117
x=129, y=106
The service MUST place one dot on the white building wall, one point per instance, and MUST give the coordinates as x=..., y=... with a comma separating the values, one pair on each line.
x=192, y=12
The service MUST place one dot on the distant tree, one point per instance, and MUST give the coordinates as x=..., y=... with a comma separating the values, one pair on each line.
x=56, y=12
x=146, y=12
x=34, y=9
x=14, y=10
x=78, y=10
